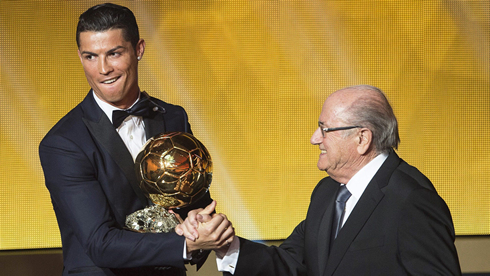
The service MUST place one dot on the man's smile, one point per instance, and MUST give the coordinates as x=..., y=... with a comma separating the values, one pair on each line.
x=109, y=81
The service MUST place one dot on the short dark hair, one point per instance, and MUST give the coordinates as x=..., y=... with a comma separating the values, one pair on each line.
x=106, y=17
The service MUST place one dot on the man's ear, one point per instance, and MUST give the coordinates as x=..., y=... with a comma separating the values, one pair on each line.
x=79, y=55
x=365, y=139
x=140, y=48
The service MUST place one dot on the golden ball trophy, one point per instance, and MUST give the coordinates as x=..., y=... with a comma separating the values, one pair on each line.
x=174, y=170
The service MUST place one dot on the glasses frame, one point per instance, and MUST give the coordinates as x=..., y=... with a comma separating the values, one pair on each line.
x=325, y=130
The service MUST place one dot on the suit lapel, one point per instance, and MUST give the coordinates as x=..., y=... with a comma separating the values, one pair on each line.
x=325, y=226
x=361, y=212
x=154, y=125
x=101, y=128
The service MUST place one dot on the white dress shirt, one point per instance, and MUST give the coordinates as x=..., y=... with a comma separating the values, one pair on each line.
x=356, y=186
x=132, y=132
x=358, y=183
x=132, y=129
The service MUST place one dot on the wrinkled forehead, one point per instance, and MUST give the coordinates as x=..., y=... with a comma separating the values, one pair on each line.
x=333, y=108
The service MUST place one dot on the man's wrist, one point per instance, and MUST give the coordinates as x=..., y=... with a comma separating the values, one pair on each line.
x=221, y=252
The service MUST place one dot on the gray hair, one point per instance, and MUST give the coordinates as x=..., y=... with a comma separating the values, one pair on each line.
x=376, y=114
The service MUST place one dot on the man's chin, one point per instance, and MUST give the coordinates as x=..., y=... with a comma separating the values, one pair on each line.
x=114, y=100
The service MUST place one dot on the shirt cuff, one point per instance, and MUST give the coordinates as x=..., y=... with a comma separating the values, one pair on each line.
x=229, y=261
x=187, y=257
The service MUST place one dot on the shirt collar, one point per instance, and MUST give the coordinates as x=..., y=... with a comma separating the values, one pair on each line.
x=107, y=108
x=358, y=183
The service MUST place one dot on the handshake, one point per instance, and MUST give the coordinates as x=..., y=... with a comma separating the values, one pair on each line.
x=206, y=230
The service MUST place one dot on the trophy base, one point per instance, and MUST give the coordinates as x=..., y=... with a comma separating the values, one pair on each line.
x=153, y=219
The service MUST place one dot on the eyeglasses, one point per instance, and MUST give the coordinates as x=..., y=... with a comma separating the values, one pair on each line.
x=329, y=129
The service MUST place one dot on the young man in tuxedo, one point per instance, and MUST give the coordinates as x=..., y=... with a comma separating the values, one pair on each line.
x=88, y=160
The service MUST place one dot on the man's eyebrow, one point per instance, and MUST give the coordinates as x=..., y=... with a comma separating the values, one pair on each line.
x=116, y=48
x=110, y=51
x=88, y=53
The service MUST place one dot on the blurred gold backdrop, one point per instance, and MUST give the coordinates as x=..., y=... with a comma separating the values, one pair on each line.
x=253, y=76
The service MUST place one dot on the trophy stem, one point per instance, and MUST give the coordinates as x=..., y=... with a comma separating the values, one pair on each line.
x=153, y=219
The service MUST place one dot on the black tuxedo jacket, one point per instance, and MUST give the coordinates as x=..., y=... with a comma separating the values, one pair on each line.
x=88, y=171
x=400, y=226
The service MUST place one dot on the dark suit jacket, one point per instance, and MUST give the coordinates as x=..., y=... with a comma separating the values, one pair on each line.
x=88, y=171
x=400, y=226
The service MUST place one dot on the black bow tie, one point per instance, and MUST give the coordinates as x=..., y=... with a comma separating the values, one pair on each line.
x=141, y=108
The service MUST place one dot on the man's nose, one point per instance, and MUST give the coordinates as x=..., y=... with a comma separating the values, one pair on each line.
x=104, y=66
x=317, y=137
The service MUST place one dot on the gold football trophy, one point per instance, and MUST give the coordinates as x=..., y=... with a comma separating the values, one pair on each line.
x=174, y=170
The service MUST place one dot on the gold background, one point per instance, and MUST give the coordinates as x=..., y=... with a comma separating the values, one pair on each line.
x=253, y=76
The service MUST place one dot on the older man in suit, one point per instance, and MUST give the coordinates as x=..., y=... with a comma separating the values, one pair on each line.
x=373, y=215
x=88, y=159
